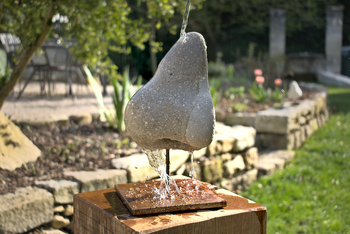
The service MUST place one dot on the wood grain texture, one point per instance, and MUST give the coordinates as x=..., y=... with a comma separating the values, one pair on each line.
x=102, y=211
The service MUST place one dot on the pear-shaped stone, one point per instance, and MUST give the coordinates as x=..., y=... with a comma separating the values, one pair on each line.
x=174, y=110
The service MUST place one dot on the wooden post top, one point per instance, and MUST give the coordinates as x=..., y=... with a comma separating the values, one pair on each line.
x=103, y=212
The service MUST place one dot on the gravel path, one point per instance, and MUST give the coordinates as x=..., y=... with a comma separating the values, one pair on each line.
x=33, y=107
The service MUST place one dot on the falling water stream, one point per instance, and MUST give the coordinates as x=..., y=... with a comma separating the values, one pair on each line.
x=185, y=19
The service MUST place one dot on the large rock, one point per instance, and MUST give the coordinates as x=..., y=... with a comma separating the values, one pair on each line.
x=96, y=180
x=63, y=190
x=24, y=210
x=15, y=147
x=294, y=91
x=174, y=110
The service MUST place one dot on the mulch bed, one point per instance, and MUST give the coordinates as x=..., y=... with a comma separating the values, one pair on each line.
x=73, y=148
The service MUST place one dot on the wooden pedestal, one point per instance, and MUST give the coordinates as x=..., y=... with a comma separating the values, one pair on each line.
x=103, y=212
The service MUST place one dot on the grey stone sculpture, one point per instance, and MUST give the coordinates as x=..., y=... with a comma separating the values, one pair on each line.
x=174, y=110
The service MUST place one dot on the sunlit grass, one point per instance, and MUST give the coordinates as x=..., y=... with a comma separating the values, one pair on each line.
x=312, y=194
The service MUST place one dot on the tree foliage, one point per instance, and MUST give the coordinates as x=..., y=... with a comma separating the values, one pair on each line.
x=93, y=24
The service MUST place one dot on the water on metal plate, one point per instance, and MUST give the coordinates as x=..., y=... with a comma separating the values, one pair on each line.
x=156, y=160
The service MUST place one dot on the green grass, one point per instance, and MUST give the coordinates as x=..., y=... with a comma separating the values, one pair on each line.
x=312, y=194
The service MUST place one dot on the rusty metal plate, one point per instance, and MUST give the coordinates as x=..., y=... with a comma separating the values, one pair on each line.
x=144, y=198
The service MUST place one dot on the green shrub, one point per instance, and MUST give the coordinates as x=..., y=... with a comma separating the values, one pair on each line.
x=121, y=96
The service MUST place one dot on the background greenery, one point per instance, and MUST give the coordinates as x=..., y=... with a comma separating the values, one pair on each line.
x=230, y=27
x=311, y=195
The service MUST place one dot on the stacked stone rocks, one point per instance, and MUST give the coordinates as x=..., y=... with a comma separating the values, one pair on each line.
x=288, y=127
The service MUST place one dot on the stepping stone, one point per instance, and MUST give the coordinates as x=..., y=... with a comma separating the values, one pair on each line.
x=26, y=209
x=96, y=180
x=174, y=110
x=63, y=190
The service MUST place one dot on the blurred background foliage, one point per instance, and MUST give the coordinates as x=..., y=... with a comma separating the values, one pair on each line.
x=231, y=28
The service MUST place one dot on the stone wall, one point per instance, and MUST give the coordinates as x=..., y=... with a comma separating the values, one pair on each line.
x=231, y=161
x=288, y=127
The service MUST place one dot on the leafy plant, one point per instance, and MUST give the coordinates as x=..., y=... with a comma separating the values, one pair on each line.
x=236, y=91
x=258, y=92
x=239, y=107
x=215, y=91
x=122, y=94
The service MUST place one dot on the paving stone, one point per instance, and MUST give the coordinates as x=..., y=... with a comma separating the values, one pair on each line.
x=313, y=125
x=196, y=168
x=199, y=153
x=244, y=137
x=236, y=139
x=250, y=157
x=53, y=231
x=233, y=166
x=68, y=211
x=244, y=119
x=211, y=169
x=24, y=210
x=271, y=161
x=96, y=180
x=249, y=178
x=59, y=222
x=226, y=157
x=220, y=115
x=58, y=209
x=281, y=121
x=276, y=141
x=138, y=168
x=62, y=190
x=286, y=155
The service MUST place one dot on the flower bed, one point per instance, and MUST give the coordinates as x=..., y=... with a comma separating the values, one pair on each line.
x=287, y=127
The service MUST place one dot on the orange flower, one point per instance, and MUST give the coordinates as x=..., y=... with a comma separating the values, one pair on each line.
x=259, y=79
x=278, y=81
x=258, y=72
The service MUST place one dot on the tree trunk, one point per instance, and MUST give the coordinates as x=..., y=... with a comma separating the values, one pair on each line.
x=152, y=40
x=27, y=55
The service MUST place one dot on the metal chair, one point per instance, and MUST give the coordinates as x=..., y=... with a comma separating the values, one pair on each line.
x=55, y=58
x=60, y=60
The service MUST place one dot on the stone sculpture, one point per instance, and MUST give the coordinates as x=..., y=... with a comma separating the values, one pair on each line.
x=174, y=110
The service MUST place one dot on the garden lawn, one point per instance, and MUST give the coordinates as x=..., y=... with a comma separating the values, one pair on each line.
x=312, y=194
